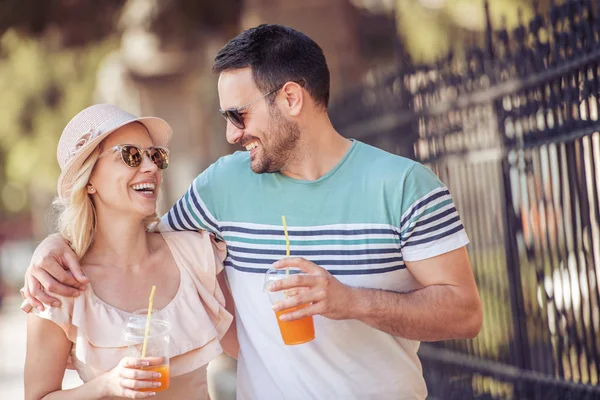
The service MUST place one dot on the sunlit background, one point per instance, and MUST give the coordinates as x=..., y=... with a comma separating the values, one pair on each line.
x=154, y=57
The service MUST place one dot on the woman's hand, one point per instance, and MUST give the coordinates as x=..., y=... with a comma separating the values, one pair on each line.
x=127, y=378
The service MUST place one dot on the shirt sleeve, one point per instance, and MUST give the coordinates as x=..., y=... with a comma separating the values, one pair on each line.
x=430, y=224
x=192, y=212
x=61, y=316
x=202, y=258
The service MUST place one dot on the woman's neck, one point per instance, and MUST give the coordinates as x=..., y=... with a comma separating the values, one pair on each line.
x=120, y=241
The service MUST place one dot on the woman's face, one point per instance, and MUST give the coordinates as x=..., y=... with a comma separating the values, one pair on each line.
x=120, y=188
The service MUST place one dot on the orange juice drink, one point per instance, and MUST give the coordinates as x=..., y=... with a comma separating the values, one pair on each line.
x=292, y=332
x=165, y=377
x=149, y=338
x=296, y=332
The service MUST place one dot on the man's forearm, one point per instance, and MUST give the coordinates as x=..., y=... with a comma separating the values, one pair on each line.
x=438, y=312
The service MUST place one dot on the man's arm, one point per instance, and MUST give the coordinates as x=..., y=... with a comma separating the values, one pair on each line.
x=447, y=307
x=55, y=268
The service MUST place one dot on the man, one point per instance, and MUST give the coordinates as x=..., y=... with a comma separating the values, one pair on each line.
x=378, y=235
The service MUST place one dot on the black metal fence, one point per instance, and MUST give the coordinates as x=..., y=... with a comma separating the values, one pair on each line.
x=512, y=128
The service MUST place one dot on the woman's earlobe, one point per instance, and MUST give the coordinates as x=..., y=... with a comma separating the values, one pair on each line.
x=91, y=189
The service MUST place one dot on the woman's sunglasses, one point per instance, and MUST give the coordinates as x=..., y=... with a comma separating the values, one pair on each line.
x=132, y=155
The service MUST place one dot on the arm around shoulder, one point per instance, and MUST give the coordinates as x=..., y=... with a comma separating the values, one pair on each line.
x=48, y=271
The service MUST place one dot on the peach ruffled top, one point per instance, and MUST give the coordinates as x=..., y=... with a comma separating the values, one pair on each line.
x=197, y=314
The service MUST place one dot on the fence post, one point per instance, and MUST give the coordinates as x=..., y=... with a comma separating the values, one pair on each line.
x=521, y=353
x=520, y=345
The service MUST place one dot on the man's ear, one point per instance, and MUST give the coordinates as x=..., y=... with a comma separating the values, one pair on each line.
x=293, y=97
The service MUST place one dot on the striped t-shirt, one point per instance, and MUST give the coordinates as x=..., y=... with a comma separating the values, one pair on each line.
x=360, y=221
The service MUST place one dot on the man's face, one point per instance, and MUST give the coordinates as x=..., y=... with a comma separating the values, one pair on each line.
x=268, y=135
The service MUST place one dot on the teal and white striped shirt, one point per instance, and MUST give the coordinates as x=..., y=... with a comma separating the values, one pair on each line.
x=360, y=221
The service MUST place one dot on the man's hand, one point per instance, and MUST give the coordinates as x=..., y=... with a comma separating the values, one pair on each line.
x=54, y=267
x=446, y=306
x=323, y=293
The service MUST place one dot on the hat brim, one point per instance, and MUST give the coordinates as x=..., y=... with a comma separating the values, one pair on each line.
x=159, y=130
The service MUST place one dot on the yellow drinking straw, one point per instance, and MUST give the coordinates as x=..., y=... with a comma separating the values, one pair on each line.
x=287, y=243
x=148, y=321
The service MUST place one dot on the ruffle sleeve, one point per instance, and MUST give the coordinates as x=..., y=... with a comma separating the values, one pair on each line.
x=202, y=259
x=61, y=316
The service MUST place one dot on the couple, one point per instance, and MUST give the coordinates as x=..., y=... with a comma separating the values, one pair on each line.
x=378, y=236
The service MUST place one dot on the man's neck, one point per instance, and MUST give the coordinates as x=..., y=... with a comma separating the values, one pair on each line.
x=318, y=152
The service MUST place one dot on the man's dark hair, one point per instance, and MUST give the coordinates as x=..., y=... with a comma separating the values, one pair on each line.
x=277, y=54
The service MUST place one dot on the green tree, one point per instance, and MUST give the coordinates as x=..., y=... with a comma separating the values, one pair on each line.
x=49, y=56
x=429, y=29
x=42, y=87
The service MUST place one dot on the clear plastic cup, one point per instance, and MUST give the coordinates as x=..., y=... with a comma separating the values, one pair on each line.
x=292, y=332
x=157, y=346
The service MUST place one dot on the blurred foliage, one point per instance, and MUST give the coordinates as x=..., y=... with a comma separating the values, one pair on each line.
x=42, y=88
x=79, y=22
x=184, y=21
x=429, y=29
x=50, y=52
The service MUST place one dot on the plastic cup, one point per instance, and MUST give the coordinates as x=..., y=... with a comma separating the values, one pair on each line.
x=157, y=346
x=292, y=332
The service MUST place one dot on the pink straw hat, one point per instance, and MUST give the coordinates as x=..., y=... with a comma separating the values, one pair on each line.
x=88, y=128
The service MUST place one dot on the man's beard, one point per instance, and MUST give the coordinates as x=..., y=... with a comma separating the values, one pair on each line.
x=279, y=143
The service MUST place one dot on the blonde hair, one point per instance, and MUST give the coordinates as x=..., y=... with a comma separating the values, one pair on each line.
x=77, y=217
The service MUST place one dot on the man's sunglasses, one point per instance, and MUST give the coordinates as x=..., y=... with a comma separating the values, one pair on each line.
x=132, y=155
x=236, y=115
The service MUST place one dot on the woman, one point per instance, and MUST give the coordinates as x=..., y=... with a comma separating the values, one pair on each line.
x=111, y=170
